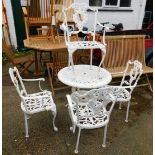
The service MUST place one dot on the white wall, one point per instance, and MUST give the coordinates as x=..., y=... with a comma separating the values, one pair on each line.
x=130, y=20
x=7, y=4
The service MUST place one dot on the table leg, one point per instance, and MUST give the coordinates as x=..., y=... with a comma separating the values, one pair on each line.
x=37, y=72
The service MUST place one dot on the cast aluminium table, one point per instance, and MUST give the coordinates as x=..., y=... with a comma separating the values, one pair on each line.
x=84, y=76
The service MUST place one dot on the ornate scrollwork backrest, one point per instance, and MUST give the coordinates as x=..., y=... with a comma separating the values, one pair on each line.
x=17, y=80
x=95, y=98
x=80, y=17
x=134, y=70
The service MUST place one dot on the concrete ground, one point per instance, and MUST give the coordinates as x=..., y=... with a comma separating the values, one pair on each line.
x=132, y=138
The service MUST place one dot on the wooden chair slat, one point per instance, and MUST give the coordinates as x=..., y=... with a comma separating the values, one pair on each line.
x=121, y=49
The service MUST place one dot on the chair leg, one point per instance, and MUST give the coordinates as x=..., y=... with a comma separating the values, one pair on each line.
x=72, y=128
x=24, y=67
x=105, y=135
x=120, y=105
x=50, y=67
x=26, y=125
x=127, y=112
x=77, y=144
x=54, y=116
x=148, y=83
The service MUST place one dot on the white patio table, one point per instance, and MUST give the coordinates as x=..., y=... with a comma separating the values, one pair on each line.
x=84, y=76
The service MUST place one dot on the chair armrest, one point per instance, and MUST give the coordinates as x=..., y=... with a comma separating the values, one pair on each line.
x=72, y=115
x=69, y=101
x=125, y=87
x=33, y=80
x=113, y=73
x=107, y=28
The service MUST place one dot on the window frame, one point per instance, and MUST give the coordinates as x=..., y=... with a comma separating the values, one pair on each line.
x=111, y=7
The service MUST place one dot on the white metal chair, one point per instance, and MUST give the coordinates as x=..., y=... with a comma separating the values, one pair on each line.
x=129, y=81
x=79, y=13
x=32, y=103
x=88, y=110
x=80, y=18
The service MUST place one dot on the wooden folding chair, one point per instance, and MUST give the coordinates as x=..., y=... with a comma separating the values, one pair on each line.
x=22, y=62
x=57, y=9
x=39, y=16
x=60, y=60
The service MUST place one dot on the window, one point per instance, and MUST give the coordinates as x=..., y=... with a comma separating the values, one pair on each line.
x=110, y=3
x=95, y=3
x=125, y=3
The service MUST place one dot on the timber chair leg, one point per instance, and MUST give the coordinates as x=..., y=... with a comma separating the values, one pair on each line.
x=58, y=37
x=50, y=69
x=24, y=67
x=148, y=81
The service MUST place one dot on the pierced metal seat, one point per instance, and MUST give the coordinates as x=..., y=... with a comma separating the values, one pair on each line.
x=123, y=95
x=86, y=45
x=34, y=104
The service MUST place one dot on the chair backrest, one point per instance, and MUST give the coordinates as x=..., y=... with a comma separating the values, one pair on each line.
x=79, y=14
x=8, y=51
x=132, y=74
x=39, y=17
x=39, y=12
x=122, y=48
x=95, y=98
x=17, y=81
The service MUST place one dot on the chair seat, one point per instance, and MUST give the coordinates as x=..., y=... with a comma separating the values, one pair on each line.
x=23, y=59
x=38, y=105
x=123, y=95
x=85, y=45
x=41, y=21
x=89, y=117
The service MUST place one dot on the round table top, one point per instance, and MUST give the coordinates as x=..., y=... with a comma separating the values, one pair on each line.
x=84, y=76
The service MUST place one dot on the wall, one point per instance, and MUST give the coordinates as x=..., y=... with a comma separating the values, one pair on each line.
x=7, y=4
x=131, y=19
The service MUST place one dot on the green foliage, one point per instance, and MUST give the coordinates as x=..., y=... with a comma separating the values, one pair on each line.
x=17, y=54
x=4, y=57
